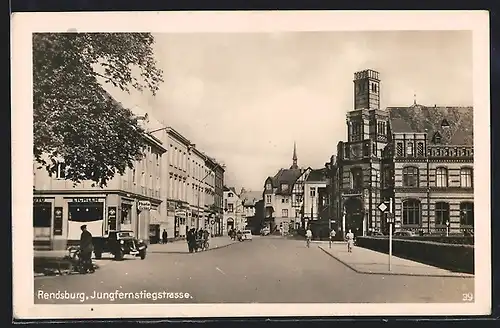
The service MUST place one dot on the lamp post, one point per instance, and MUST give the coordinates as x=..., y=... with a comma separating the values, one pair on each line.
x=198, y=202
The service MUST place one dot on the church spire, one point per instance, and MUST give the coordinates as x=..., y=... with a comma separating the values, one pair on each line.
x=294, y=165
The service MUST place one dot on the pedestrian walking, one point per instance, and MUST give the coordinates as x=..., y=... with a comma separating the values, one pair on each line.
x=164, y=236
x=191, y=240
x=350, y=241
x=86, y=249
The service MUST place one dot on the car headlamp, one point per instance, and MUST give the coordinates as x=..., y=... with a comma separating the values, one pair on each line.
x=122, y=242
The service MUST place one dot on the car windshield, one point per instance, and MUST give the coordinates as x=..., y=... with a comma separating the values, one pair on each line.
x=125, y=234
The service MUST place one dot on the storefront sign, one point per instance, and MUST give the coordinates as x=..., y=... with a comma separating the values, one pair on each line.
x=181, y=214
x=39, y=200
x=86, y=200
x=111, y=218
x=143, y=205
x=58, y=221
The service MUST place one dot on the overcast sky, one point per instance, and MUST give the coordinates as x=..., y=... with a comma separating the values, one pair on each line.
x=245, y=98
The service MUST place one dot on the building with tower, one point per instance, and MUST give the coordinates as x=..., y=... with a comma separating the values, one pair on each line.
x=422, y=157
x=278, y=196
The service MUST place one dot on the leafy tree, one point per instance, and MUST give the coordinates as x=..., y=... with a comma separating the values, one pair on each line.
x=75, y=120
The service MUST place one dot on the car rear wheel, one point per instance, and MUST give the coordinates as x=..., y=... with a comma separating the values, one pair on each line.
x=142, y=254
x=119, y=255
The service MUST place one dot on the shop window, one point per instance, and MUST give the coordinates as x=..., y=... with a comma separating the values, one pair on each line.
x=284, y=213
x=42, y=215
x=126, y=217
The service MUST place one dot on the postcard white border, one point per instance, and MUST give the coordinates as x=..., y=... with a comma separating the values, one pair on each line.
x=24, y=24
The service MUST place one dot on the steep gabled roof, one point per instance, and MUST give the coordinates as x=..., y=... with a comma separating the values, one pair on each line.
x=454, y=124
x=318, y=175
x=250, y=197
x=286, y=176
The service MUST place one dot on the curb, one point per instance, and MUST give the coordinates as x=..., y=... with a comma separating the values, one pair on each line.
x=208, y=250
x=393, y=273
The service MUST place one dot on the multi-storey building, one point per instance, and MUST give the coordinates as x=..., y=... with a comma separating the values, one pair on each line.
x=277, y=197
x=128, y=202
x=315, y=199
x=177, y=195
x=197, y=176
x=422, y=157
x=219, y=199
x=233, y=210
x=249, y=200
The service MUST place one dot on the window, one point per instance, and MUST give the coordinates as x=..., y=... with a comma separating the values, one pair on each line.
x=284, y=187
x=399, y=149
x=284, y=213
x=268, y=199
x=411, y=212
x=420, y=149
x=467, y=214
x=268, y=186
x=60, y=171
x=133, y=176
x=466, y=177
x=410, y=177
x=386, y=177
x=356, y=178
x=230, y=208
x=442, y=213
x=409, y=148
x=230, y=195
x=436, y=138
x=441, y=177
x=225, y=202
x=312, y=192
x=282, y=200
x=374, y=149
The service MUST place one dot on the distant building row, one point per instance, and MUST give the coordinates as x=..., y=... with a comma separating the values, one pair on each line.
x=175, y=187
x=421, y=157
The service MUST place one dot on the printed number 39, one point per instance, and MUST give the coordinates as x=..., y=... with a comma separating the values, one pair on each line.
x=467, y=297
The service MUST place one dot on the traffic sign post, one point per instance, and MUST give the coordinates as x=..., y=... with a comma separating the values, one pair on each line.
x=390, y=233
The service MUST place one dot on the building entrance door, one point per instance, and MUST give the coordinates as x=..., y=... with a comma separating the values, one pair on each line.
x=354, y=216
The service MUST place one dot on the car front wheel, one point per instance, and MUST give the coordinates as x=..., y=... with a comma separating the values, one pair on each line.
x=142, y=254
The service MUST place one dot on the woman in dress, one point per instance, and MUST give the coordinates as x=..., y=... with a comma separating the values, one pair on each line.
x=350, y=241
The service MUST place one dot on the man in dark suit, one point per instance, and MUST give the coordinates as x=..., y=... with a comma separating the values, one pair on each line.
x=86, y=249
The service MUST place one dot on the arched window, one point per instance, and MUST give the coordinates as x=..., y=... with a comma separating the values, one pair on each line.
x=442, y=213
x=466, y=177
x=409, y=148
x=441, y=177
x=410, y=176
x=356, y=178
x=411, y=212
x=467, y=214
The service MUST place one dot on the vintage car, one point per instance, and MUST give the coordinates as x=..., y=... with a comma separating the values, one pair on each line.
x=120, y=243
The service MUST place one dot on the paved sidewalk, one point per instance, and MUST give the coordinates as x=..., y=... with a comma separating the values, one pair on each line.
x=363, y=260
x=180, y=246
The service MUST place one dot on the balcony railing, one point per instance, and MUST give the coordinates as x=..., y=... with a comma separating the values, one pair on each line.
x=450, y=151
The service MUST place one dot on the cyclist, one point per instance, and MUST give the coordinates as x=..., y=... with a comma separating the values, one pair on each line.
x=309, y=235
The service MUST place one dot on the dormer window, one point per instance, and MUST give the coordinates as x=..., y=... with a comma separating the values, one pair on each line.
x=230, y=195
x=284, y=187
x=445, y=124
x=268, y=186
x=436, y=138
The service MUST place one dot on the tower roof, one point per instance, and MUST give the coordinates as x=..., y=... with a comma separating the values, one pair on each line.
x=294, y=158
